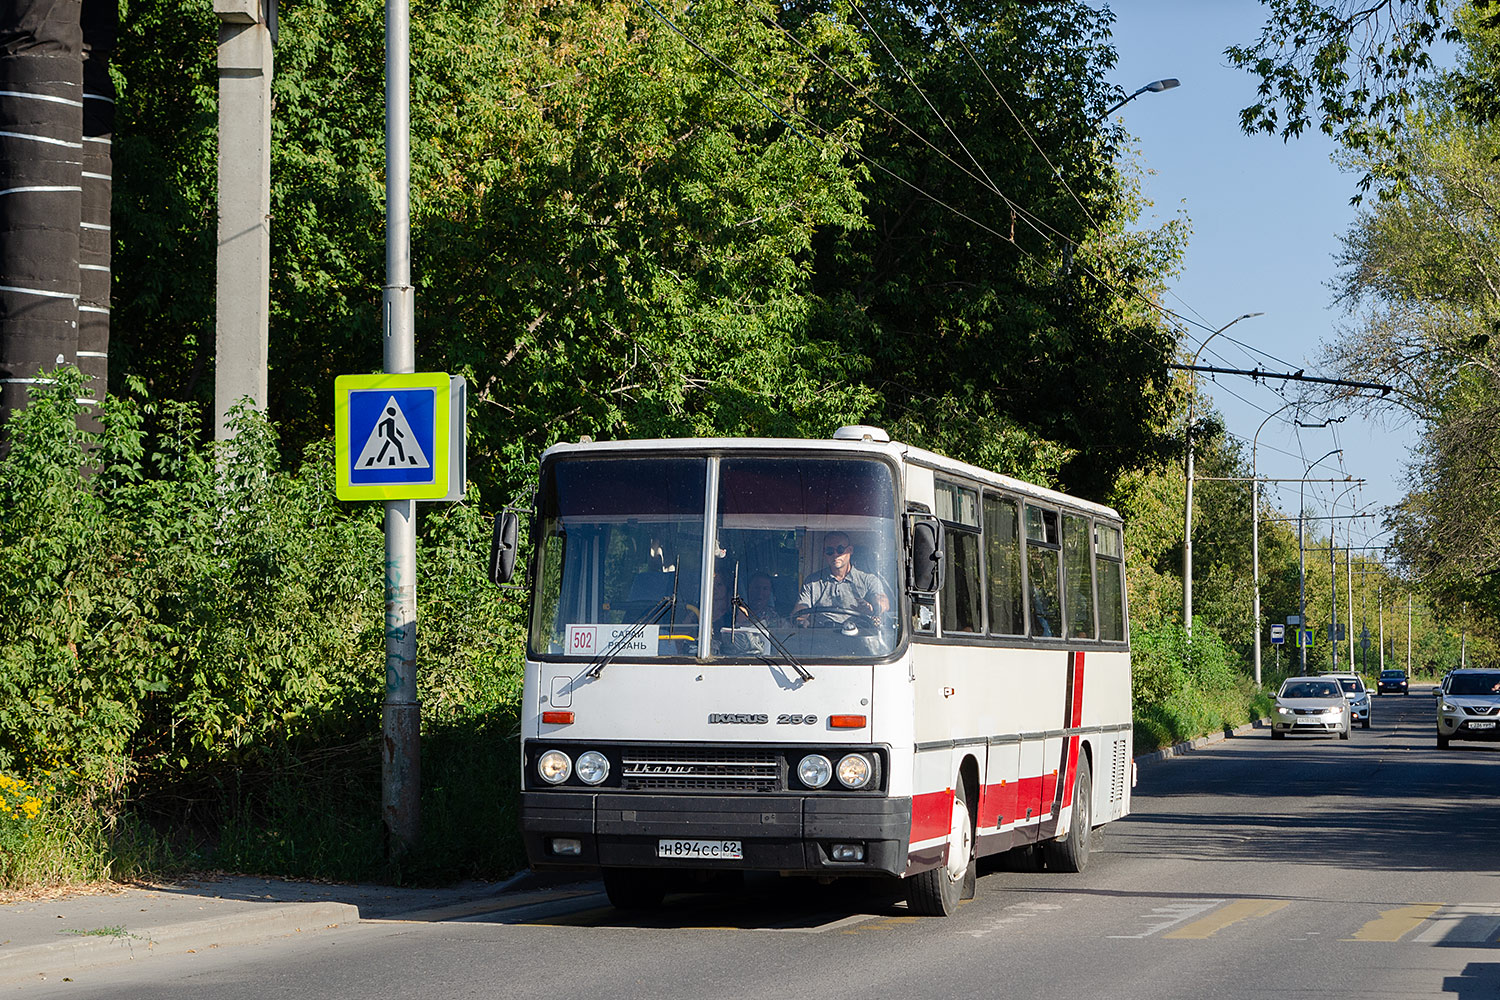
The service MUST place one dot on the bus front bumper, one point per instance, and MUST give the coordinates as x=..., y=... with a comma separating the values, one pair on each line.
x=787, y=833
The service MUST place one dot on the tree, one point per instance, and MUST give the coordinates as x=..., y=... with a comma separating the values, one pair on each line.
x=1421, y=277
x=996, y=290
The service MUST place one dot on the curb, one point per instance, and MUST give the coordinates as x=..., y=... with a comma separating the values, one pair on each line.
x=1180, y=749
x=239, y=928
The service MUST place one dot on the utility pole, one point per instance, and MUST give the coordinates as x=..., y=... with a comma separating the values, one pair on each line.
x=1408, y=638
x=401, y=770
x=243, y=301
x=1380, y=614
x=1333, y=602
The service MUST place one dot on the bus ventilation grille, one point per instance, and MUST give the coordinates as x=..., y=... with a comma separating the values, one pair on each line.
x=682, y=770
x=1118, y=768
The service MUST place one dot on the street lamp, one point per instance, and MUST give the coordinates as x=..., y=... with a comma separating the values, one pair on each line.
x=1302, y=557
x=1154, y=87
x=1187, y=517
x=1255, y=535
x=1333, y=583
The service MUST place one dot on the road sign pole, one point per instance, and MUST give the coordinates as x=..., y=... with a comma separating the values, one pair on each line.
x=401, y=760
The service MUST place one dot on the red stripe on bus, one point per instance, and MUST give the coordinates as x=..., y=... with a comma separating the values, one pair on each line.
x=931, y=813
x=1072, y=755
x=1077, y=719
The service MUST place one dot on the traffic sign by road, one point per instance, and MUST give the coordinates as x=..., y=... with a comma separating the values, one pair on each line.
x=1278, y=634
x=398, y=437
x=1305, y=637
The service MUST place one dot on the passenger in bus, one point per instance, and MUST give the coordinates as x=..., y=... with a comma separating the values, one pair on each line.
x=760, y=598
x=839, y=585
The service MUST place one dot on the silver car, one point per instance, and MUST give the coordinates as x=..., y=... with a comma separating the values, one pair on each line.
x=1310, y=705
x=1468, y=706
x=1357, y=694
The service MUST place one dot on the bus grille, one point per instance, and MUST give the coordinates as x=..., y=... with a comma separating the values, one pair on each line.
x=711, y=770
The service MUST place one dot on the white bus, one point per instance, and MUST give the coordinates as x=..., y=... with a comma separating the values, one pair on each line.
x=827, y=658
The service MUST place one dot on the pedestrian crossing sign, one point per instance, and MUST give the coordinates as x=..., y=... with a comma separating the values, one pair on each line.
x=394, y=436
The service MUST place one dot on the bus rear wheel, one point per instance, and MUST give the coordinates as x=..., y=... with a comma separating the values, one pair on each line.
x=936, y=893
x=1071, y=854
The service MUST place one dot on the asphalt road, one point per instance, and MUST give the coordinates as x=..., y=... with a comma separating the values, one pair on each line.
x=1304, y=867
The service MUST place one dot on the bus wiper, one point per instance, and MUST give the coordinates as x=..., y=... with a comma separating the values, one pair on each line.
x=651, y=617
x=736, y=605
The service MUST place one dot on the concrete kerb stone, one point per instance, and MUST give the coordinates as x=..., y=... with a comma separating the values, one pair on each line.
x=1179, y=749
x=247, y=926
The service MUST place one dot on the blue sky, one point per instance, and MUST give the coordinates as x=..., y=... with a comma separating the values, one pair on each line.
x=1266, y=217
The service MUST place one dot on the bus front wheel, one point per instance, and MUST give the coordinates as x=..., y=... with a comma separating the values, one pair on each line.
x=1071, y=854
x=634, y=888
x=936, y=893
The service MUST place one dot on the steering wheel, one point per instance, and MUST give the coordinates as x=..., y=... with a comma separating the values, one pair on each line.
x=851, y=622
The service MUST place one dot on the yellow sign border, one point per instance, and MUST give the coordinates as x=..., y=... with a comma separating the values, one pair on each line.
x=344, y=449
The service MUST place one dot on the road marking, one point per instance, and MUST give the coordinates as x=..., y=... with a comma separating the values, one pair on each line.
x=1463, y=923
x=1393, y=925
x=1244, y=909
x=1171, y=915
x=1015, y=913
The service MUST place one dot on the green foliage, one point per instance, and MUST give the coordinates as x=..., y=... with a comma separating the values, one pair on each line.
x=188, y=619
x=1183, y=690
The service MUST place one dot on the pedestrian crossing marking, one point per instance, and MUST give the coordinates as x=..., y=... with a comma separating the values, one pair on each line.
x=1393, y=925
x=1244, y=909
x=1463, y=924
x=391, y=443
x=1170, y=915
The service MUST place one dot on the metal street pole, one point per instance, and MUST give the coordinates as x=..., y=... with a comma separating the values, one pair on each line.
x=1255, y=537
x=401, y=771
x=1333, y=589
x=1302, y=561
x=1408, y=639
x=1187, y=517
x=1380, y=617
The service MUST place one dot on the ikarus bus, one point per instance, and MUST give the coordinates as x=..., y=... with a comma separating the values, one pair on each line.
x=845, y=657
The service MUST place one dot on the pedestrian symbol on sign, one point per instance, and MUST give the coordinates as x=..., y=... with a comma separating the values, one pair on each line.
x=391, y=442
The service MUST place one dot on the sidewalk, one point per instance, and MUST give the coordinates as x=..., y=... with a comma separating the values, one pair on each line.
x=46, y=939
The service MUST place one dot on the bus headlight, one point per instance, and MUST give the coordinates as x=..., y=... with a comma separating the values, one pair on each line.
x=814, y=770
x=554, y=766
x=854, y=771
x=593, y=767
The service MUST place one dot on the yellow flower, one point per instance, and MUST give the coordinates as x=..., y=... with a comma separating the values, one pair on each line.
x=32, y=807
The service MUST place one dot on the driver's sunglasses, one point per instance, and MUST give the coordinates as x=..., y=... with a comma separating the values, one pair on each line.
x=837, y=550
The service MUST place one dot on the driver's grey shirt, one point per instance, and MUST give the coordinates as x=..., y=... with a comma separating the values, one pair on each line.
x=823, y=590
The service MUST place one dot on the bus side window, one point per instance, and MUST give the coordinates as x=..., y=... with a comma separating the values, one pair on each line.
x=1078, y=576
x=1002, y=549
x=1109, y=554
x=963, y=595
x=1042, y=552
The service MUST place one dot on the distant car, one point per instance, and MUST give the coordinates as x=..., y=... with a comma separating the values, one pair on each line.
x=1310, y=705
x=1468, y=706
x=1358, y=696
x=1392, y=681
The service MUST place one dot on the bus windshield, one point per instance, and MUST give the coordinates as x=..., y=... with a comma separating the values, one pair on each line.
x=805, y=559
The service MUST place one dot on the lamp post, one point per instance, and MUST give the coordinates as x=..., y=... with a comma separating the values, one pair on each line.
x=1302, y=559
x=1333, y=589
x=1255, y=535
x=1187, y=517
x=1154, y=87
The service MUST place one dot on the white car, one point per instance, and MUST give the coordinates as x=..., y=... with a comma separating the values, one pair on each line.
x=1310, y=705
x=1468, y=706
x=1357, y=694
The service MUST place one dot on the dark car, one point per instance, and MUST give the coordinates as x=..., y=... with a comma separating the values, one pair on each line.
x=1392, y=681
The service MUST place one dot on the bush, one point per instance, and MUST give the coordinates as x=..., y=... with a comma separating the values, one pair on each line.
x=1184, y=690
x=191, y=630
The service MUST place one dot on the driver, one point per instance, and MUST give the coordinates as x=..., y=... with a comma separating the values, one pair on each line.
x=838, y=586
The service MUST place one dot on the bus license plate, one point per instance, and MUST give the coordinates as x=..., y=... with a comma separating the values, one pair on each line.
x=1481, y=725
x=705, y=850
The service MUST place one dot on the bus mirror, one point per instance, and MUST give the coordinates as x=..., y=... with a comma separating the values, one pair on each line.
x=926, y=556
x=503, y=547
